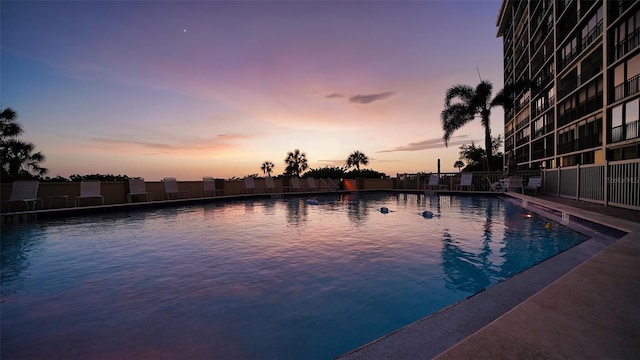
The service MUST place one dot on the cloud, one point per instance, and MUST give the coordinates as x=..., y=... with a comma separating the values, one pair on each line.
x=436, y=143
x=220, y=141
x=334, y=95
x=367, y=99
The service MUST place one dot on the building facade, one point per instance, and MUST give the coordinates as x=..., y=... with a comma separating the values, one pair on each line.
x=584, y=57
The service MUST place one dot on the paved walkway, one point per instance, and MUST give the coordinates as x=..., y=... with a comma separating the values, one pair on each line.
x=592, y=311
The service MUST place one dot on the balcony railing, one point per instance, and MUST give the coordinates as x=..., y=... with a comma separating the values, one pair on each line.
x=592, y=35
x=627, y=88
x=591, y=105
x=581, y=143
x=626, y=45
x=624, y=132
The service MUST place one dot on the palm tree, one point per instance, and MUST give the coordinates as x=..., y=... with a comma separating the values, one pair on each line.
x=17, y=156
x=267, y=167
x=296, y=162
x=459, y=164
x=357, y=158
x=476, y=102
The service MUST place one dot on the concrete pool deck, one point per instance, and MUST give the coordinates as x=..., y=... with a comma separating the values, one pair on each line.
x=582, y=304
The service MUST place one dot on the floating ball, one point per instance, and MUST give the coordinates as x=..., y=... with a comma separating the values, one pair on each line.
x=548, y=226
x=427, y=214
x=384, y=210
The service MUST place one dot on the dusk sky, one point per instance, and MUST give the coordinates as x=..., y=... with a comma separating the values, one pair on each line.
x=215, y=88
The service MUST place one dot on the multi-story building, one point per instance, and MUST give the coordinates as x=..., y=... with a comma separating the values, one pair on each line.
x=584, y=56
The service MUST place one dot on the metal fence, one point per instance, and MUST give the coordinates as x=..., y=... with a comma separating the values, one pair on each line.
x=615, y=183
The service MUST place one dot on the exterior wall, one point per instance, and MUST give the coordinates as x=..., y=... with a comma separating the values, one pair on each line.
x=584, y=56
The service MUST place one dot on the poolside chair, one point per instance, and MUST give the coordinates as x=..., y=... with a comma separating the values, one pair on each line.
x=270, y=184
x=330, y=185
x=311, y=183
x=249, y=184
x=25, y=191
x=514, y=183
x=534, y=184
x=434, y=179
x=137, y=188
x=209, y=187
x=89, y=189
x=496, y=186
x=465, y=181
x=295, y=183
x=171, y=189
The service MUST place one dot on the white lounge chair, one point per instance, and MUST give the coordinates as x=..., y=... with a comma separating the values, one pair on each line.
x=311, y=183
x=25, y=191
x=209, y=187
x=514, y=183
x=249, y=185
x=89, y=189
x=496, y=186
x=535, y=184
x=433, y=184
x=171, y=189
x=137, y=188
x=270, y=184
x=465, y=181
x=295, y=183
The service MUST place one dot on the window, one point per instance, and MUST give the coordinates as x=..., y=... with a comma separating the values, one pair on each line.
x=618, y=75
x=631, y=111
x=616, y=116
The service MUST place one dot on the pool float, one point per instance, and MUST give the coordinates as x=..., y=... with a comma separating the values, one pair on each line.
x=427, y=214
x=384, y=210
x=313, y=202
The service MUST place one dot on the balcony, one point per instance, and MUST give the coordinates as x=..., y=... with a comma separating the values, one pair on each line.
x=624, y=132
x=522, y=141
x=581, y=143
x=592, y=35
x=626, y=45
x=591, y=105
x=627, y=88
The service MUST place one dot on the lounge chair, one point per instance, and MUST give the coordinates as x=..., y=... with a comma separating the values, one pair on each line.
x=311, y=183
x=465, y=181
x=89, y=189
x=171, y=189
x=514, y=183
x=209, y=187
x=137, y=188
x=270, y=184
x=295, y=183
x=433, y=184
x=535, y=184
x=249, y=185
x=496, y=186
x=25, y=191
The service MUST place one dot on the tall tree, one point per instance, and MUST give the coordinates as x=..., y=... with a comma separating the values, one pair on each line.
x=357, y=158
x=296, y=162
x=18, y=157
x=462, y=103
x=459, y=164
x=267, y=168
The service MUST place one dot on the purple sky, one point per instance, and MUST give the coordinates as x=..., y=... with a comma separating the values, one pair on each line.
x=215, y=88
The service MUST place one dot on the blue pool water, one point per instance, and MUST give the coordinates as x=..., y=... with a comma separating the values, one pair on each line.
x=256, y=279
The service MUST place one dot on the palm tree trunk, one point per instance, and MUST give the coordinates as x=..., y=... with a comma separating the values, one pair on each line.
x=487, y=143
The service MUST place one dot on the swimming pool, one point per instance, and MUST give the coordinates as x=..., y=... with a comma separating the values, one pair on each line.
x=257, y=278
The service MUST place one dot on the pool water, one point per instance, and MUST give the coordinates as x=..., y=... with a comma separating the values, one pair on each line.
x=258, y=278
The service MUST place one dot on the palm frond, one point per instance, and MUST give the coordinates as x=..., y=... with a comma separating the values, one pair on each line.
x=453, y=118
x=464, y=93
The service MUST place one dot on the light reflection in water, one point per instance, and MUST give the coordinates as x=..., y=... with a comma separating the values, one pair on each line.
x=258, y=278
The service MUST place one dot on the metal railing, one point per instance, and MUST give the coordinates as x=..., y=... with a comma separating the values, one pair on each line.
x=615, y=183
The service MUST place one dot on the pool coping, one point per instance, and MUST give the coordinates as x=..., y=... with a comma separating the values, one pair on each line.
x=460, y=329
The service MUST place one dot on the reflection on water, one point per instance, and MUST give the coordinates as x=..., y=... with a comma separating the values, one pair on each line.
x=256, y=279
